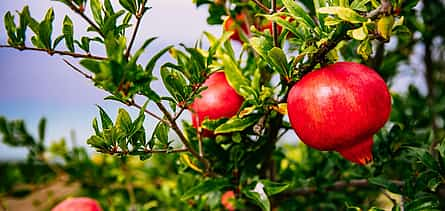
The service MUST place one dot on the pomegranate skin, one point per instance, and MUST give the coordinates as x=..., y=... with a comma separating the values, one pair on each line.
x=78, y=204
x=231, y=25
x=219, y=100
x=340, y=107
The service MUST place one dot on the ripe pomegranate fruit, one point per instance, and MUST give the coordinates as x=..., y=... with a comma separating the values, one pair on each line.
x=340, y=107
x=228, y=200
x=234, y=26
x=219, y=100
x=78, y=204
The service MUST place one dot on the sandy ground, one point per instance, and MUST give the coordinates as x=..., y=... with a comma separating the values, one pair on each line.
x=42, y=198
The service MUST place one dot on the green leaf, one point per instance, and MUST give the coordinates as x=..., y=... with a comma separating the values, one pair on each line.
x=385, y=183
x=206, y=187
x=359, y=5
x=261, y=45
x=258, y=195
x=364, y=49
x=233, y=74
x=10, y=28
x=129, y=5
x=279, y=61
x=425, y=157
x=91, y=65
x=284, y=23
x=96, y=10
x=236, y=124
x=273, y=188
x=123, y=121
x=151, y=64
x=360, y=33
x=384, y=26
x=98, y=142
x=212, y=124
x=42, y=126
x=68, y=33
x=343, y=13
x=299, y=13
x=161, y=133
x=175, y=83
x=58, y=40
x=96, y=126
x=46, y=29
x=106, y=120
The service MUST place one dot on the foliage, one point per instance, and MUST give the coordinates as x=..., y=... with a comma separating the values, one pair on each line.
x=247, y=154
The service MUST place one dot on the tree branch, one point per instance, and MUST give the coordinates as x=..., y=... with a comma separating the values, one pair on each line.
x=273, y=9
x=151, y=151
x=80, y=11
x=136, y=28
x=52, y=52
x=360, y=183
x=262, y=6
x=78, y=70
x=384, y=8
x=184, y=140
x=132, y=103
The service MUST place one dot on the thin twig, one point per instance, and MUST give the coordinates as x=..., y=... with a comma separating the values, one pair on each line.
x=194, y=91
x=184, y=140
x=136, y=28
x=52, y=52
x=151, y=151
x=262, y=6
x=132, y=103
x=384, y=8
x=273, y=9
x=338, y=186
x=86, y=18
x=78, y=70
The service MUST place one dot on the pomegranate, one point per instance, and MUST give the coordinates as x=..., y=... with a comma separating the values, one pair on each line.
x=228, y=200
x=340, y=107
x=234, y=26
x=219, y=100
x=78, y=204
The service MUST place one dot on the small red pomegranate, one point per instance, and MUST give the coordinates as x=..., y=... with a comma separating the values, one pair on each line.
x=228, y=200
x=219, y=100
x=236, y=26
x=340, y=107
x=78, y=204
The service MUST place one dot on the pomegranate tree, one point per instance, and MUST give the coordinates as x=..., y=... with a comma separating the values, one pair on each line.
x=340, y=107
x=219, y=100
x=78, y=204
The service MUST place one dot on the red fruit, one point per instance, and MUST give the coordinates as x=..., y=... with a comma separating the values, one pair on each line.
x=340, y=107
x=219, y=100
x=228, y=200
x=236, y=26
x=78, y=204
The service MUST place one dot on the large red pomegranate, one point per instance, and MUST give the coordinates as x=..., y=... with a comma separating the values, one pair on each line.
x=219, y=100
x=78, y=204
x=234, y=26
x=340, y=107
